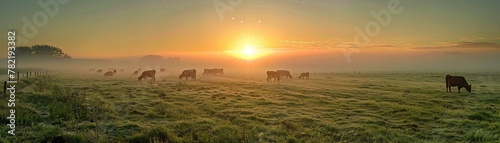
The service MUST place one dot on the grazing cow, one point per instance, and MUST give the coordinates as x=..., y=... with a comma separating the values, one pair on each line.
x=92, y=69
x=109, y=73
x=206, y=71
x=162, y=70
x=136, y=72
x=284, y=73
x=273, y=74
x=188, y=73
x=219, y=71
x=304, y=75
x=145, y=74
x=99, y=71
x=214, y=71
x=458, y=81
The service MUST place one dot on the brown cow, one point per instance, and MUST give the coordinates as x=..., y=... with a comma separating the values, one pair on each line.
x=92, y=69
x=219, y=71
x=99, y=71
x=136, y=72
x=162, y=70
x=191, y=73
x=145, y=74
x=109, y=73
x=273, y=74
x=206, y=71
x=458, y=81
x=304, y=75
x=284, y=73
x=214, y=71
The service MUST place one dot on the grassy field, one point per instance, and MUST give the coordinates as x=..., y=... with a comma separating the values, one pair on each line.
x=88, y=107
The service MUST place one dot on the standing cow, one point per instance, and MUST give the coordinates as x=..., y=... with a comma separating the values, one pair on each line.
x=191, y=73
x=145, y=74
x=458, y=81
x=214, y=71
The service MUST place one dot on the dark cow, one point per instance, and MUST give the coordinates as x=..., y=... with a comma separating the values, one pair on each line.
x=146, y=74
x=162, y=70
x=214, y=71
x=304, y=75
x=191, y=73
x=99, y=71
x=92, y=69
x=458, y=81
x=273, y=74
x=109, y=73
x=136, y=72
x=284, y=73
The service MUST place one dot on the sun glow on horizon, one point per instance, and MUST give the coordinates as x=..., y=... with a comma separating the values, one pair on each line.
x=249, y=46
x=248, y=52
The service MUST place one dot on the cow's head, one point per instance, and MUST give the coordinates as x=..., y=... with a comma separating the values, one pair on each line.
x=469, y=88
x=139, y=78
x=180, y=76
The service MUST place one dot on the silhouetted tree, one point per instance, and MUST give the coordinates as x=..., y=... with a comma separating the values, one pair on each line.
x=152, y=58
x=41, y=52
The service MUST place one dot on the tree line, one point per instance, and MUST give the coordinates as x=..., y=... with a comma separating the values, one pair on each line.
x=41, y=52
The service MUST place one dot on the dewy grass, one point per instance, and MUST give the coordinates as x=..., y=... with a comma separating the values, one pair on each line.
x=324, y=108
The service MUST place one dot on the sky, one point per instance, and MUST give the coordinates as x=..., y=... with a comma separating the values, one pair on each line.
x=121, y=28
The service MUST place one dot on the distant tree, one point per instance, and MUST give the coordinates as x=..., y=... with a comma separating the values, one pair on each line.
x=41, y=52
x=154, y=58
x=49, y=52
x=23, y=51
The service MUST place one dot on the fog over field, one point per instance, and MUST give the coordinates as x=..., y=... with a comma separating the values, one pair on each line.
x=298, y=60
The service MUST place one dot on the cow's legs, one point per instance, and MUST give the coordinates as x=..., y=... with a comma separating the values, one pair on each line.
x=458, y=89
x=448, y=88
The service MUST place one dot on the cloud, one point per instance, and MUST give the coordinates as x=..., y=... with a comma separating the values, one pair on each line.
x=448, y=45
x=450, y=52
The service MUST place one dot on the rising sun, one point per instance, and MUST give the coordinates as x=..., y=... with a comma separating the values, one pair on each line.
x=248, y=52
